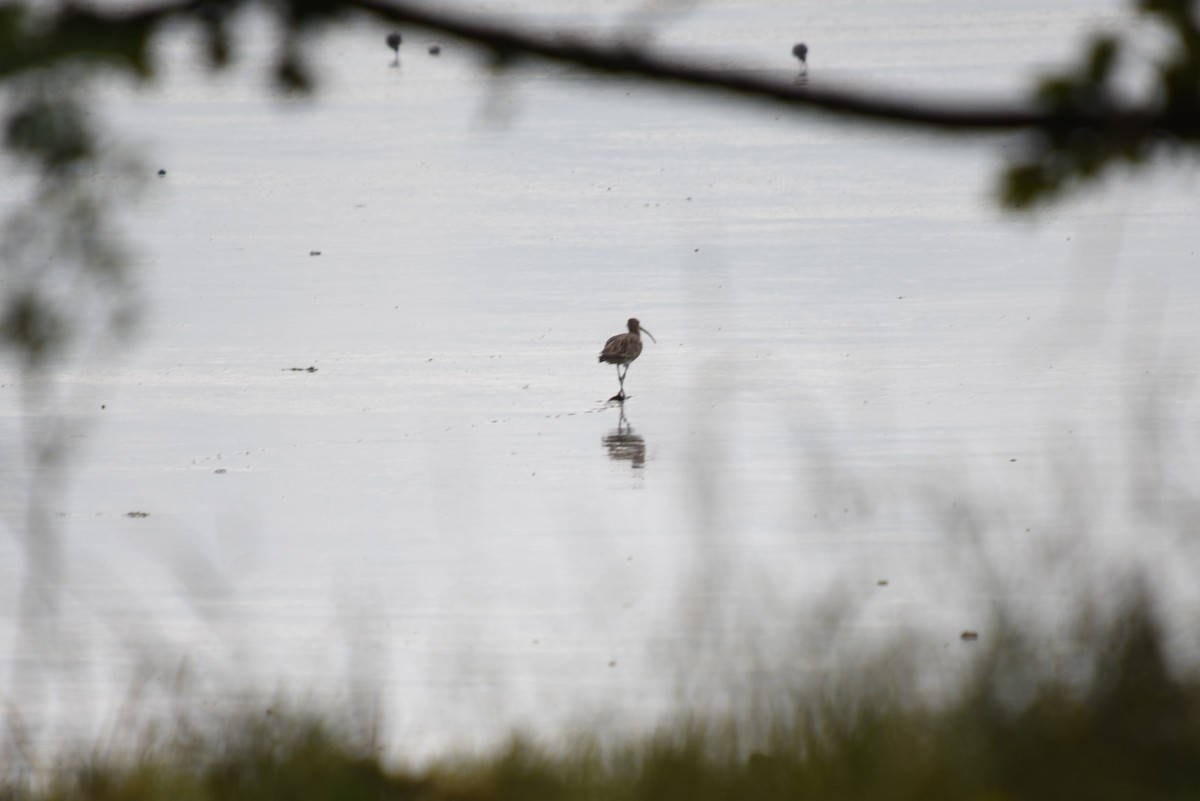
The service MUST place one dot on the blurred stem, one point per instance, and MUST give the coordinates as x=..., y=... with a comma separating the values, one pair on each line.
x=66, y=289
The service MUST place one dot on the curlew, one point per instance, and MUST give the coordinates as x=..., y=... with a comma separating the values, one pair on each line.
x=623, y=349
x=393, y=41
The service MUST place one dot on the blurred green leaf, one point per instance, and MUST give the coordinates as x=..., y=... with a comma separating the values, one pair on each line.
x=33, y=327
x=52, y=131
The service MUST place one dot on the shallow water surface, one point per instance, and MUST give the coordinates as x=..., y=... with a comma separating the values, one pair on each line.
x=366, y=426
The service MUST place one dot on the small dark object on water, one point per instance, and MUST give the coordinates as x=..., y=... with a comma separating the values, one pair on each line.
x=882, y=583
x=137, y=514
x=162, y=172
x=220, y=471
x=314, y=253
x=800, y=51
x=301, y=369
x=393, y=41
x=969, y=636
x=623, y=349
x=435, y=50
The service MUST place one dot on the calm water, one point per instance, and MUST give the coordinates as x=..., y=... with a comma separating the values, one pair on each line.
x=864, y=373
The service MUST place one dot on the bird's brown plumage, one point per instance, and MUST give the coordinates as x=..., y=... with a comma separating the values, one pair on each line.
x=623, y=349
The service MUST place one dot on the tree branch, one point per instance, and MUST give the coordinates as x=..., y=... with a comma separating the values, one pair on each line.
x=620, y=59
x=1080, y=129
x=109, y=33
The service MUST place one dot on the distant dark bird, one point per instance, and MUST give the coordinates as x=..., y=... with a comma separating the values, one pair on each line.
x=393, y=41
x=623, y=349
x=800, y=51
x=435, y=49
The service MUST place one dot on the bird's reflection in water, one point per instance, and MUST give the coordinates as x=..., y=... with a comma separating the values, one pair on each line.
x=624, y=445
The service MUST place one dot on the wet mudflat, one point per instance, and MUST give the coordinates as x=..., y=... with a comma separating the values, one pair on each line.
x=362, y=438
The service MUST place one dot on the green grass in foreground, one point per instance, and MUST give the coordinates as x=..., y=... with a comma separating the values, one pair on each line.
x=1116, y=725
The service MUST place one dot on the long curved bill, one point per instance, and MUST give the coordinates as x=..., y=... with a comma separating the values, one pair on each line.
x=647, y=333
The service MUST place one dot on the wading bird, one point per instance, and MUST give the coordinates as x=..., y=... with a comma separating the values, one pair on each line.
x=623, y=349
x=393, y=41
x=800, y=51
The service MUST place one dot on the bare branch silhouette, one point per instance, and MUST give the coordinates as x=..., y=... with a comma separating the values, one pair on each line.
x=1078, y=129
